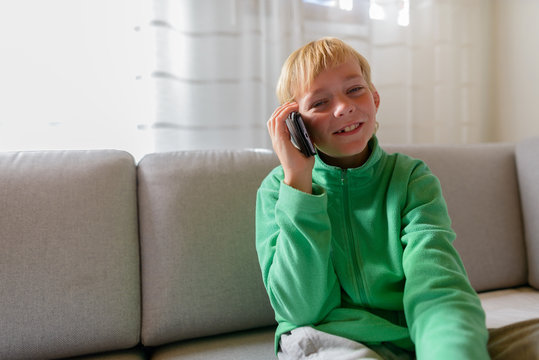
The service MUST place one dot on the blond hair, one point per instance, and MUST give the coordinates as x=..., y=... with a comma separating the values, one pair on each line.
x=304, y=64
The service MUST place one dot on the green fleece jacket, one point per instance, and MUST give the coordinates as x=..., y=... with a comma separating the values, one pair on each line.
x=369, y=256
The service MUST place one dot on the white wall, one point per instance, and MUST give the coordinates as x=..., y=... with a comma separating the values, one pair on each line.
x=516, y=53
x=73, y=63
x=67, y=75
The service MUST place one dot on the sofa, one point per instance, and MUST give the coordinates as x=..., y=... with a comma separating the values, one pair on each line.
x=105, y=257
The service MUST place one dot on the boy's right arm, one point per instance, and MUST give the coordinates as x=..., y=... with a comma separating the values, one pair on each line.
x=293, y=241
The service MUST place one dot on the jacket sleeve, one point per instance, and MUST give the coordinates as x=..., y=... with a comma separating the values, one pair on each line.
x=293, y=241
x=443, y=311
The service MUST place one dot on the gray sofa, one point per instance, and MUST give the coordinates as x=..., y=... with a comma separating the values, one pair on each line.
x=103, y=258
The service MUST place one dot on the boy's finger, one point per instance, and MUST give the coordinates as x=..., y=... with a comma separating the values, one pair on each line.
x=279, y=116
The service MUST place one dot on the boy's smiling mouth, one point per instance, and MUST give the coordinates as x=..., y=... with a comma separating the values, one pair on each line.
x=348, y=128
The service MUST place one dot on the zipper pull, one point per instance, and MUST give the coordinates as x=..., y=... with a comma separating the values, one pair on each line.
x=343, y=176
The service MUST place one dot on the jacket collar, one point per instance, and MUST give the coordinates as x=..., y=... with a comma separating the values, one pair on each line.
x=330, y=174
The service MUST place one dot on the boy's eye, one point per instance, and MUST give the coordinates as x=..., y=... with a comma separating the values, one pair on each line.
x=318, y=103
x=355, y=89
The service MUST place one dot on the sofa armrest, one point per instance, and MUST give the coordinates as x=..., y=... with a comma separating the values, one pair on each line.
x=527, y=158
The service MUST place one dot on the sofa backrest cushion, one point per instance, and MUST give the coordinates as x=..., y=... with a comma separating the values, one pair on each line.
x=200, y=273
x=480, y=185
x=69, y=265
x=527, y=154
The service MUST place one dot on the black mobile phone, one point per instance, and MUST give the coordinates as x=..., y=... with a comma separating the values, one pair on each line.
x=299, y=135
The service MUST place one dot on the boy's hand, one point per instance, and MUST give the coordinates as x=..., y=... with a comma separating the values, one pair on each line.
x=297, y=168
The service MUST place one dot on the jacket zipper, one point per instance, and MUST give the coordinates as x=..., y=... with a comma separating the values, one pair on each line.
x=356, y=260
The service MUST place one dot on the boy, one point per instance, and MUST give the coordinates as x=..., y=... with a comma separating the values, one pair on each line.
x=355, y=245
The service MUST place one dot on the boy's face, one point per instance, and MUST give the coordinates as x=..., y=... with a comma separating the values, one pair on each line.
x=339, y=111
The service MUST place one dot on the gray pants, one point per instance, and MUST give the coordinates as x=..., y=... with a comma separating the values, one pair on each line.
x=308, y=343
x=515, y=341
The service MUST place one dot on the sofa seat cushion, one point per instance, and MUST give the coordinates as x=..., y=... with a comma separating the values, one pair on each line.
x=504, y=307
x=245, y=345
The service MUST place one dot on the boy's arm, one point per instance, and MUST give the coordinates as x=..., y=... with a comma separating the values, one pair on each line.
x=444, y=314
x=293, y=241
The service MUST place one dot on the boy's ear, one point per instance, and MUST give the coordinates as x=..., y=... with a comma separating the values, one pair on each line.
x=376, y=97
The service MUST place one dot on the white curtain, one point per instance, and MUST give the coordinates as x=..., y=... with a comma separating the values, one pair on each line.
x=213, y=66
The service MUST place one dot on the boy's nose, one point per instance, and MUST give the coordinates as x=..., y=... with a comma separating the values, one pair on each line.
x=343, y=107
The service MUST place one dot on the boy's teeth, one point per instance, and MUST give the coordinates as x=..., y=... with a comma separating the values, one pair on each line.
x=349, y=128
